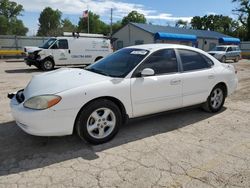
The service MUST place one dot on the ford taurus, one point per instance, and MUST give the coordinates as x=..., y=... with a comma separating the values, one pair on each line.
x=132, y=82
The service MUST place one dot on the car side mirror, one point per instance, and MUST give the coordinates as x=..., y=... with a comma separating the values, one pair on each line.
x=147, y=72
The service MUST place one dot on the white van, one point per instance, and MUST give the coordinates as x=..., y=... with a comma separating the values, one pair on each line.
x=79, y=49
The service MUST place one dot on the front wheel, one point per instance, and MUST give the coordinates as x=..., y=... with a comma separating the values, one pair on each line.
x=215, y=100
x=99, y=121
x=47, y=65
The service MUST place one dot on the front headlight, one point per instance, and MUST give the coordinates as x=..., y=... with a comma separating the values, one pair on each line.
x=42, y=102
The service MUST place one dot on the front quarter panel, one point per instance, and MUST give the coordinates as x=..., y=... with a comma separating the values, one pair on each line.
x=75, y=99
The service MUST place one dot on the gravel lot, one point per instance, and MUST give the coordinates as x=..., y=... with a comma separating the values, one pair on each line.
x=186, y=148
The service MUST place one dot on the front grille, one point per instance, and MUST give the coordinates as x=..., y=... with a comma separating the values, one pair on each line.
x=20, y=96
x=31, y=56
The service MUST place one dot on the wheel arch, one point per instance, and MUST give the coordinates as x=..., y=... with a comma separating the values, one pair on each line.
x=114, y=100
x=223, y=85
x=98, y=58
x=49, y=58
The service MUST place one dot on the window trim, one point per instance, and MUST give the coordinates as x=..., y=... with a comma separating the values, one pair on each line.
x=63, y=40
x=181, y=64
x=135, y=72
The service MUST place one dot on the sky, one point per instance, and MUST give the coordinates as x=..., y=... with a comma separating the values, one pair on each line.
x=159, y=12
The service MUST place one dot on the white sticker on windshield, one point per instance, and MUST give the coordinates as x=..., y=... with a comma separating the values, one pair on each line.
x=139, y=52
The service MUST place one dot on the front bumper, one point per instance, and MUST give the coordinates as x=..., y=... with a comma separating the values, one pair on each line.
x=47, y=122
x=30, y=61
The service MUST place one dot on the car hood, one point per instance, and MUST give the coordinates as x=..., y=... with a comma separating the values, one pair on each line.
x=216, y=52
x=31, y=49
x=61, y=80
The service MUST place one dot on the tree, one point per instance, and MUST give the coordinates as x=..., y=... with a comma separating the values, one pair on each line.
x=197, y=22
x=219, y=23
x=17, y=27
x=3, y=25
x=116, y=26
x=181, y=24
x=49, y=22
x=95, y=24
x=134, y=16
x=243, y=12
x=9, y=24
x=67, y=26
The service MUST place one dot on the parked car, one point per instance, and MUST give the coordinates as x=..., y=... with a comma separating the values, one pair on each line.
x=132, y=82
x=75, y=50
x=226, y=52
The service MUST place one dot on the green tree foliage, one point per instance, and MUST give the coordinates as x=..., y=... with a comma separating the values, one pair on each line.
x=181, y=24
x=243, y=12
x=3, y=25
x=17, y=27
x=197, y=22
x=95, y=24
x=134, y=16
x=49, y=22
x=67, y=26
x=219, y=23
x=9, y=23
x=116, y=26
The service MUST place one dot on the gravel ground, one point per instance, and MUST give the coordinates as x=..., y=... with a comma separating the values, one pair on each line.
x=185, y=148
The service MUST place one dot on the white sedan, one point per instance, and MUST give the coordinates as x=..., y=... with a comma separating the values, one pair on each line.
x=132, y=82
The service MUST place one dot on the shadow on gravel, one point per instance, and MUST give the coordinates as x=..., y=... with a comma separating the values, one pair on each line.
x=22, y=152
x=14, y=71
x=31, y=70
x=14, y=60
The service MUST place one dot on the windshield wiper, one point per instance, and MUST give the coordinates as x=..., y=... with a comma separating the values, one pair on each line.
x=97, y=71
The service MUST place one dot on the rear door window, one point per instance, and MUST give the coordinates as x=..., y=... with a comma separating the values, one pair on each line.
x=192, y=60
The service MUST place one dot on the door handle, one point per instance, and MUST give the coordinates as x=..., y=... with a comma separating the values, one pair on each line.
x=175, y=82
x=211, y=76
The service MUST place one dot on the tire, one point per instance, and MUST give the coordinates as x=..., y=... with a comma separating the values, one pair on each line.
x=223, y=59
x=99, y=121
x=236, y=59
x=38, y=67
x=47, y=65
x=216, y=100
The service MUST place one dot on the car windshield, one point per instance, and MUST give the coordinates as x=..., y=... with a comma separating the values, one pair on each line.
x=220, y=48
x=48, y=43
x=120, y=63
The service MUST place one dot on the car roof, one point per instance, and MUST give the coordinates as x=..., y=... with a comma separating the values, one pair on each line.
x=155, y=47
x=227, y=46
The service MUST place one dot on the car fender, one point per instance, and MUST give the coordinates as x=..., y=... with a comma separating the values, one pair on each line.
x=76, y=98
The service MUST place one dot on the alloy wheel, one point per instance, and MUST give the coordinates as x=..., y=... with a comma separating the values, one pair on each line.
x=101, y=123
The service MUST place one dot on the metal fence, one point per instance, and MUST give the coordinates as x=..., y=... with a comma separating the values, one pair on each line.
x=10, y=42
x=245, y=49
x=13, y=44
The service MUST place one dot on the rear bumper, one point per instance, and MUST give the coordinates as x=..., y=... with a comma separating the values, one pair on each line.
x=233, y=84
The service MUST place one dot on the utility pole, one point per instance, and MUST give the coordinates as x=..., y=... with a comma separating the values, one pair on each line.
x=88, y=18
x=111, y=22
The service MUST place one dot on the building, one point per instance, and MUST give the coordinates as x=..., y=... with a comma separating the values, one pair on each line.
x=137, y=33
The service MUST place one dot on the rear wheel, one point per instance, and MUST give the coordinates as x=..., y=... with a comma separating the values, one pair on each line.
x=215, y=100
x=223, y=59
x=99, y=121
x=236, y=59
x=47, y=65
